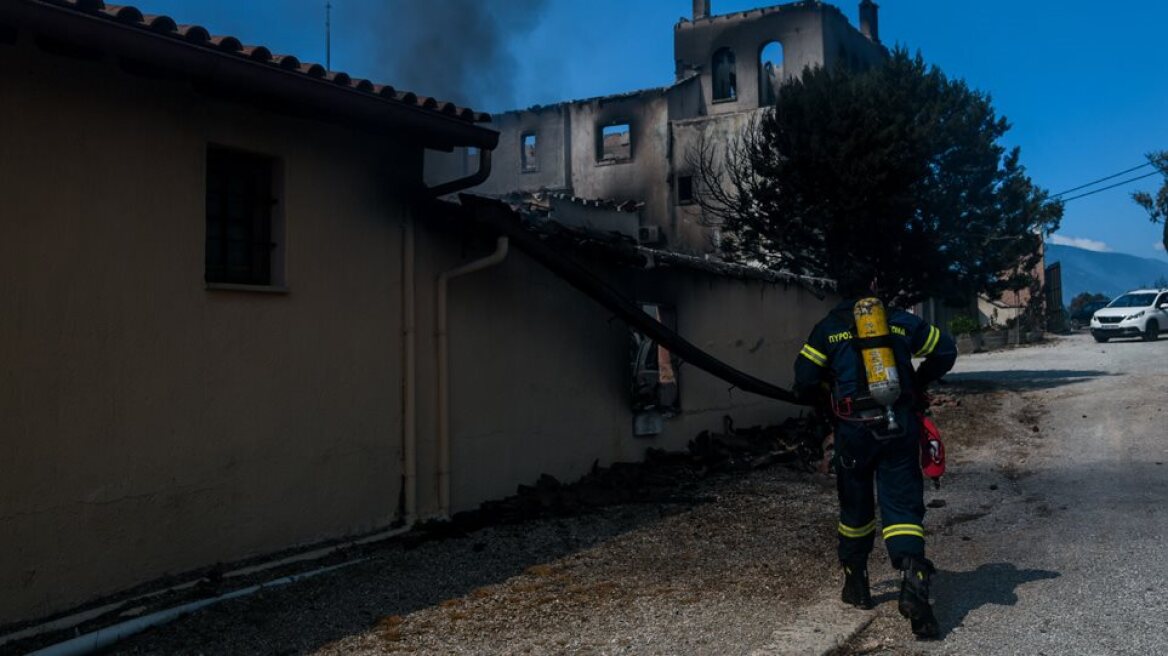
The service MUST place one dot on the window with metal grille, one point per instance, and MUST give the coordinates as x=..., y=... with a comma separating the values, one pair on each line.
x=240, y=205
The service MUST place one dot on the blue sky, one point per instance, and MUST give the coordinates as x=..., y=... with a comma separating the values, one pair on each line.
x=1084, y=83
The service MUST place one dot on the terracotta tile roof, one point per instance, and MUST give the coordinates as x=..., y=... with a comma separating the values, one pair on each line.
x=197, y=36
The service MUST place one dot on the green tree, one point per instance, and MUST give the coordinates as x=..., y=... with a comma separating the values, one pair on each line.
x=1157, y=206
x=896, y=169
x=1084, y=298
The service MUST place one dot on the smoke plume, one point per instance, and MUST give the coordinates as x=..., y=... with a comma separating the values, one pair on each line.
x=457, y=50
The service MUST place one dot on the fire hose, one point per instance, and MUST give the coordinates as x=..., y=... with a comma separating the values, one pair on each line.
x=500, y=217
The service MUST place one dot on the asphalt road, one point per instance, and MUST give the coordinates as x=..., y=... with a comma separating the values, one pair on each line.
x=1052, y=537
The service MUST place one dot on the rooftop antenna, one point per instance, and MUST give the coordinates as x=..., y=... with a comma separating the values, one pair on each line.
x=328, y=35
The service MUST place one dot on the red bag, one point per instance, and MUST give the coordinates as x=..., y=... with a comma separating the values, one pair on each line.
x=932, y=450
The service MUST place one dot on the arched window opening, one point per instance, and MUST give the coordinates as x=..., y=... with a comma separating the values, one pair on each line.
x=770, y=73
x=725, y=77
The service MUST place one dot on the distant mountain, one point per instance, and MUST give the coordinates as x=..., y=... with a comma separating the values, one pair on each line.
x=1106, y=273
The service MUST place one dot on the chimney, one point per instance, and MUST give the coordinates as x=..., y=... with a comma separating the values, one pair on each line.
x=869, y=19
x=701, y=9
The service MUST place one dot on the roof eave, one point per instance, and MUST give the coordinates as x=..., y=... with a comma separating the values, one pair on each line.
x=281, y=90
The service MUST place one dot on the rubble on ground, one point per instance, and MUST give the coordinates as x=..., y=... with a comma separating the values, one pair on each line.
x=663, y=477
x=943, y=401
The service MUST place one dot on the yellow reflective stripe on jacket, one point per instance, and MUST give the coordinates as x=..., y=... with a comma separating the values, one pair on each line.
x=895, y=530
x=931, y=342
x=852, y=532
x=813, y=355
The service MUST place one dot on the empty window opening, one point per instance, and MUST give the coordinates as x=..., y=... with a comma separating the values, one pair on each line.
x=770, y=73
x=472, y=159
x=655, y=381
x=725, y=77
x=616, y=143
x=241, y=239
x=685, y=190
x=527, y=152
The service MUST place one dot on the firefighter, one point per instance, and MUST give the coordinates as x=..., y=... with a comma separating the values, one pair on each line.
x=875, y=441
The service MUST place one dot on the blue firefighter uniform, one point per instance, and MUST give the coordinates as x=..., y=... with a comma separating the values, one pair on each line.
x=863, y=450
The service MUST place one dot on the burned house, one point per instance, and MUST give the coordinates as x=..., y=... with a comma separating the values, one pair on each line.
x=237, y=323
x=636, y=146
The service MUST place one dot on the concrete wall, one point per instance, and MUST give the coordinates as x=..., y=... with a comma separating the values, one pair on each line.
x=811, y=35
x=843, y=45
x=757, y=327
x=645, y=176
x=151, y=426
x=719, y=132
x=991, y=314
x=552, y=128
x=798, y=27
x=541, y=375
x=603, y=219
x=1012, y=304
x=567, y=143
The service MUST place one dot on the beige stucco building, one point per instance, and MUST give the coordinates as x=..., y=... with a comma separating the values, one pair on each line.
x=217, y=288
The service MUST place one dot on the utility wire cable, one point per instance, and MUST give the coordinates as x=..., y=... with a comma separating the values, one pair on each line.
x=1102, y=189
x=1110, y=177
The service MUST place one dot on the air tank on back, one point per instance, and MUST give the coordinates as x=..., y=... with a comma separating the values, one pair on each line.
x=879, y=360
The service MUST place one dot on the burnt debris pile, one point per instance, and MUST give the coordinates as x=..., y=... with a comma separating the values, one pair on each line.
x=664, y=477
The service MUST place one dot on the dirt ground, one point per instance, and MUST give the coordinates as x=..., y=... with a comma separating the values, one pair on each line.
x=717, y=577
x=712, y=577
x=716, y=572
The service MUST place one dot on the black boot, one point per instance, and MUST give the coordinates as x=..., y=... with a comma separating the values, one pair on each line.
x=855, y=590
x=914, y=597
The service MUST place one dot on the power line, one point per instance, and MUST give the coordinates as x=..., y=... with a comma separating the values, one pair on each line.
x=1102, y=189
x=1110, y=177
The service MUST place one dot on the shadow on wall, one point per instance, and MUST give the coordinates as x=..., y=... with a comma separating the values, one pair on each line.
x=1024, y=379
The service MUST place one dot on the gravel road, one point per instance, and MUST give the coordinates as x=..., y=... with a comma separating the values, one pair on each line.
x=1051, y=540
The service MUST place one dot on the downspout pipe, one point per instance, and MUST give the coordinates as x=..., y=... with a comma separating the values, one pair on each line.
x=473, y=180
x=409, y=342
x=495, y=258
x=409, y=373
